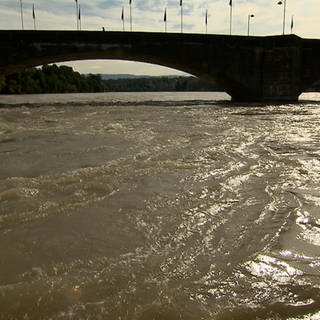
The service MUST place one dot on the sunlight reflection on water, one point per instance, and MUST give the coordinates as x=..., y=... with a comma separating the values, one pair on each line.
x=158, y=207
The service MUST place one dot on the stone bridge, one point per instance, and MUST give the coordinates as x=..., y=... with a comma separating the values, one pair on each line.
x=273, y=68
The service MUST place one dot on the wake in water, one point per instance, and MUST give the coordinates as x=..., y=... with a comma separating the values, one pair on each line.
x=159, y=210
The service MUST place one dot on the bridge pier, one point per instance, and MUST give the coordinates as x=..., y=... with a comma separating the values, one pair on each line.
x=282, y=74
x=263, y=71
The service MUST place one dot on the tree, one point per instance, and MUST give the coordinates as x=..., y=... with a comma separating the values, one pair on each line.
x=54, y=79
x=2, y=82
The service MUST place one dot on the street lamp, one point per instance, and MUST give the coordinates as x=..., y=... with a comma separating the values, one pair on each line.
x=284, y=3
x=249, y=18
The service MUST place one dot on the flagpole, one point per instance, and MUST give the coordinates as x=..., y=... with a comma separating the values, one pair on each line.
x=21, y=14
x=165, y=19
x=230, y=4
x=34, y=18
x=79, y=17
x=130, y=15
x=77, y=12
x=181, y=5
x=122, y=18
x=206, y=21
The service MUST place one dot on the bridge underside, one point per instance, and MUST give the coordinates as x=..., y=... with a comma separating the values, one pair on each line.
x=248, y=68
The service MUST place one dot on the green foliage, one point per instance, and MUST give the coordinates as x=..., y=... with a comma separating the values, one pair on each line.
x=54, y=79
x=2, y=82
x=51, y=79
x=158, y=84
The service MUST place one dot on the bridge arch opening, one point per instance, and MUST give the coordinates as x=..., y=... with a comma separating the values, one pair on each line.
x=112, y=69
x=122, y=67
x=130, y=76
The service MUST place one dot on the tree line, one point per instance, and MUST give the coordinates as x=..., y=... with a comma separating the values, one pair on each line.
x=63, y=79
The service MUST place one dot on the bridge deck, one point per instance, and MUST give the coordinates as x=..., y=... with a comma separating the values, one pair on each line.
x=248, y=68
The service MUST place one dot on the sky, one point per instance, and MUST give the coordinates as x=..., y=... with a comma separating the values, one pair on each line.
x=147, y=15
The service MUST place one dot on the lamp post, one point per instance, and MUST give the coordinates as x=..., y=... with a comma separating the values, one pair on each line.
x=284, y=3
x=249, y=19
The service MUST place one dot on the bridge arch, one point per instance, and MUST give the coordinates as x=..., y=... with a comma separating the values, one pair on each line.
x=190, y=53
x=75, y=58
x=155, y=55
x=247, y=68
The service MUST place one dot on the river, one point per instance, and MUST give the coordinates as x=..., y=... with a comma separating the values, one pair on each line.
x=159, y=206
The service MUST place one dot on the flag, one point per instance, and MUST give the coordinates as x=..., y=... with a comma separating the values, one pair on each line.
x=33, y=13
x=122, y=15
x=130, y=2
x=79, y=16
x=206, y=18
x=180, y=3
x=76, y=1
x=291, y=23
x=165, y=15
x=230, y=3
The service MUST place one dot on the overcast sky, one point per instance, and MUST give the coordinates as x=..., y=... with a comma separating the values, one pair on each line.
x=148, y=16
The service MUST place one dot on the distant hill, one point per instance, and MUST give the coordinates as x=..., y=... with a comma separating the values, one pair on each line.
x=131, y=76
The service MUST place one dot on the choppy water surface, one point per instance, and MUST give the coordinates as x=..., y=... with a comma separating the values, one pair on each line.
x=156, y=206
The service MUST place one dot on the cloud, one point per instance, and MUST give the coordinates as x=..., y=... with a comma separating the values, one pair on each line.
x=118, y=67
x=147, y=15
